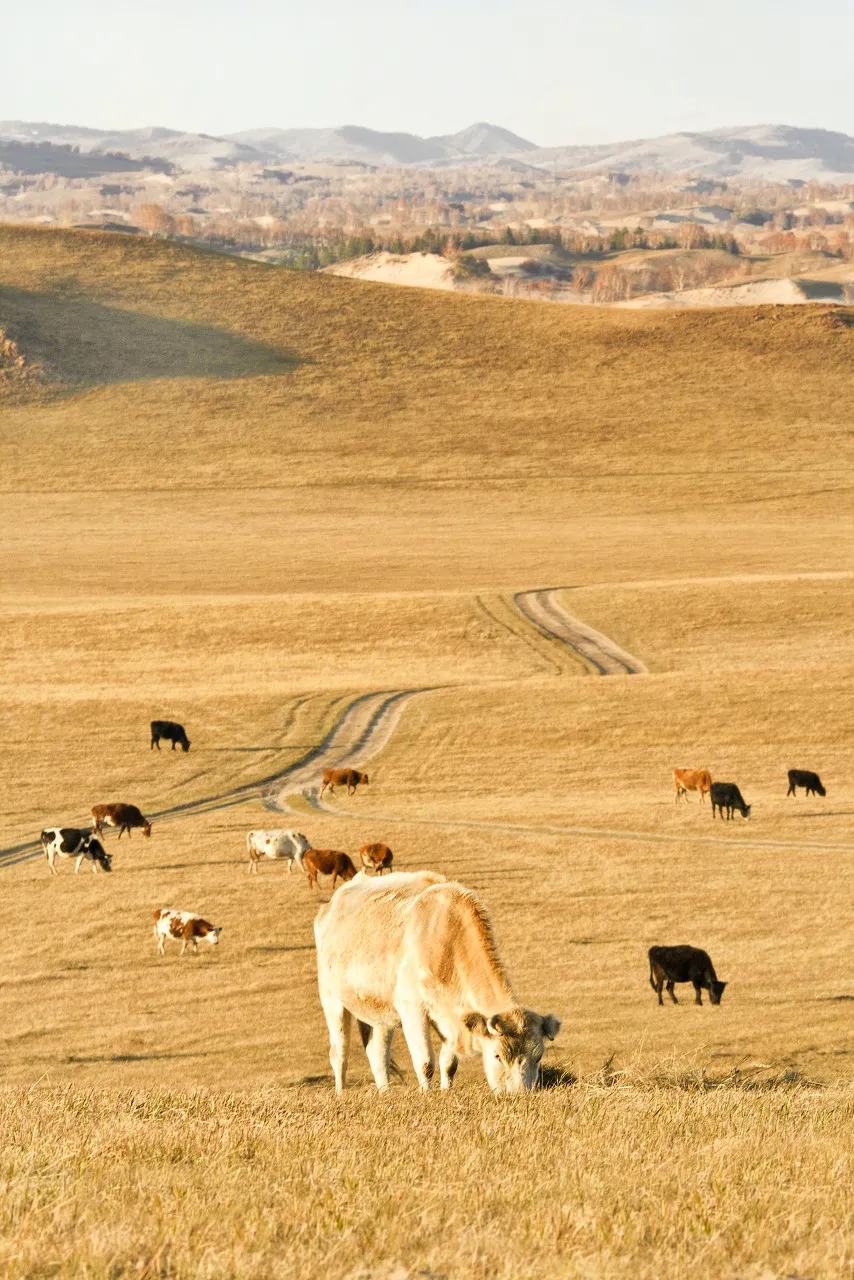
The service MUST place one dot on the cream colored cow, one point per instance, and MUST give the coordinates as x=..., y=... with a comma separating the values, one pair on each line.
x=416, y=950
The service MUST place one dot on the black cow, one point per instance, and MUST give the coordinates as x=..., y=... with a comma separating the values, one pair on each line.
x=804, y=778
x=74, y=842
x=668, y=965
x=726, y=795
x=169, y=730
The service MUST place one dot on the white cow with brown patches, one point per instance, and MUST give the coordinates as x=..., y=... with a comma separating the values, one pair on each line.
x=417, y=951
x=184, y=927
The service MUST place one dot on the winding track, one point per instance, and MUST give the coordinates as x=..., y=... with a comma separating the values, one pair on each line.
x=366, y=725
x=359, y=732
x=544, y=609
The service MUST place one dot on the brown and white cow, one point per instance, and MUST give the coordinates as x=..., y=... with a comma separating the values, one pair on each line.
x=686, y=780
x=123, y=816
x=327, y=862
x=376, y=857
x=74, y=842
x=183, y=927
x=276, y=844
x=349, y=778
x=417, y=951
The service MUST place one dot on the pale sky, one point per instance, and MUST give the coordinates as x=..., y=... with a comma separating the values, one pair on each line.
x=554, y=72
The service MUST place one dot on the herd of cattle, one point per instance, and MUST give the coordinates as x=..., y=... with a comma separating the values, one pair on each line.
x=416, y=950
x=726, y=795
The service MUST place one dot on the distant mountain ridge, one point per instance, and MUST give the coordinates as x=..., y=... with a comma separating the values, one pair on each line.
x=776, y=153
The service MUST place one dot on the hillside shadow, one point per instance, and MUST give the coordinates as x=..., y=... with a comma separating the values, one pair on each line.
x=79, y=342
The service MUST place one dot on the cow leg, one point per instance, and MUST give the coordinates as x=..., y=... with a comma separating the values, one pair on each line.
x=51, y=859
x=416, y=1029
x=161, y=941
x=448, y=1063
x=698, y=993
x=173, y=744
x=671, y=992
x=378, y=1050
x=791, y=790
x=77, y=863
x=339, y=1021
x=658, y=987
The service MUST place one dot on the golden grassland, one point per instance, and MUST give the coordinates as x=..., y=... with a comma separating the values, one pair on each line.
x=632, y=1179
x=240, y=497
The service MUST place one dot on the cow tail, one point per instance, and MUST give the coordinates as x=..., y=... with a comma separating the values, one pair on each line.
x=366, y=1031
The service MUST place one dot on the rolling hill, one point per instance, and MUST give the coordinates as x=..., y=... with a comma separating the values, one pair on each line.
x=246, y=497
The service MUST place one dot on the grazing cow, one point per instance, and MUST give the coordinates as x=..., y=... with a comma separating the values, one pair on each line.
x=171, y=731
x=123, y=816
x=184, y=927
x=804, y=778
x=276, y=844
x=668, y=965
x=74, y=842
x=686, y=780
x=376, y=857
x=349, y=778
x=726, y=795
x=417, y=950
x=327, y=862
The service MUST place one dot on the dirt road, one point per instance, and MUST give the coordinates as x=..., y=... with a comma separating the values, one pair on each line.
x=544, y=609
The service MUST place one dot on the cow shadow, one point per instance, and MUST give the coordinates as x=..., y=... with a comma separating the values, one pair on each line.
x=79, y=342
x=557, y=1077
x=130, y=1057
x=304, y=947
x=835, y=813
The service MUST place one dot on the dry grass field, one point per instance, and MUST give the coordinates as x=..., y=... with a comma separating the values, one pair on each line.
x=242, y=497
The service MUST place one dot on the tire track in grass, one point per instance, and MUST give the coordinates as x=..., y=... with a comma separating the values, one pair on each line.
x=546, y=612
x=360, y=730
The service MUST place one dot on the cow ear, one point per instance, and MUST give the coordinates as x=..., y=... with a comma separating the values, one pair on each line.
x=476, y=1024
x=551, y=1026
x=496, y=1025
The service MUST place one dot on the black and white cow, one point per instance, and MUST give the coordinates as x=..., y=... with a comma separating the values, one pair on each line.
x=74, y=842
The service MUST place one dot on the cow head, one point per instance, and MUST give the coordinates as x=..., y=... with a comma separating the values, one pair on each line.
x=511, y=1044
x=716, y=990
x=146, y=828
x=185, y=744
x=213, y=936
x=745, y=813
x=99, y=853
x=363, y=778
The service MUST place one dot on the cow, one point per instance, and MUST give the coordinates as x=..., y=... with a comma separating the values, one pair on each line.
x=668, y=965
x=276, y=844
x=327, y=862
x=726, y=795
x=686, y=780
x=184, y=927
x=417, y=950
x=123, y=816
x=804, y=778
x=376, y=857
x=171, y=731
x=74, y=842
x=351, y=778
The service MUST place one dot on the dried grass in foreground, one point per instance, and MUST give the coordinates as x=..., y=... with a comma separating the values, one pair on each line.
x=654, y=1175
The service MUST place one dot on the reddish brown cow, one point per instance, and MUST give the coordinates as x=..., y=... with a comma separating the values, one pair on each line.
x=349, y=778
x=327, y=862
x=376, y=857
x=123, y=816
x=685, y=780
